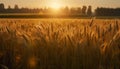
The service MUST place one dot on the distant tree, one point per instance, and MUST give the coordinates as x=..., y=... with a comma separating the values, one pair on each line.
x=66, y=10
x=45, y=10
x=16, y=7
x=89, y=11
x=84, y=8
x=79, y=10
x=2, y=6
x=73, y=10
x=9, y=7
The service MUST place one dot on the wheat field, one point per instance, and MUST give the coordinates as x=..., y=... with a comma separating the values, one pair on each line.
x=60, y=43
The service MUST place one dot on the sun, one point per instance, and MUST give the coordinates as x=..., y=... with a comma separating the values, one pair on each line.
x=55, y=5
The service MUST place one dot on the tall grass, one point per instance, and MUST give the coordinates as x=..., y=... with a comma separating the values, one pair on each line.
x=60, y=44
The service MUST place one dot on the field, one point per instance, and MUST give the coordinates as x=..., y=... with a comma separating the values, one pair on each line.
x=60, y=43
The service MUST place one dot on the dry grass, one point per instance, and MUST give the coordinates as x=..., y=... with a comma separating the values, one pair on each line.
x=60, y=43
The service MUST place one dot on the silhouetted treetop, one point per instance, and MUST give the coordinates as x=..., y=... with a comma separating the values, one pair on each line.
x=89, y=10
x=84, y=8
x=16, y=7
x=1, y=6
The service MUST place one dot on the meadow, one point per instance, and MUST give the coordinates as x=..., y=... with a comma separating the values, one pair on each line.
x=60, y=43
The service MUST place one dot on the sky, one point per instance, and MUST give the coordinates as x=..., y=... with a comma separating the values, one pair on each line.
x=69, y=3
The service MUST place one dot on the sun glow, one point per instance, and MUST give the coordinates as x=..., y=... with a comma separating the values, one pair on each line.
x=55, y=5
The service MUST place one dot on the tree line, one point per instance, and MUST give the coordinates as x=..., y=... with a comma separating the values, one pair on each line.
x=65, y=10
x=107, y=11
x=84, y=10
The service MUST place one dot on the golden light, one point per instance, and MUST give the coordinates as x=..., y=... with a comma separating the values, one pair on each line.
x=55, y=5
